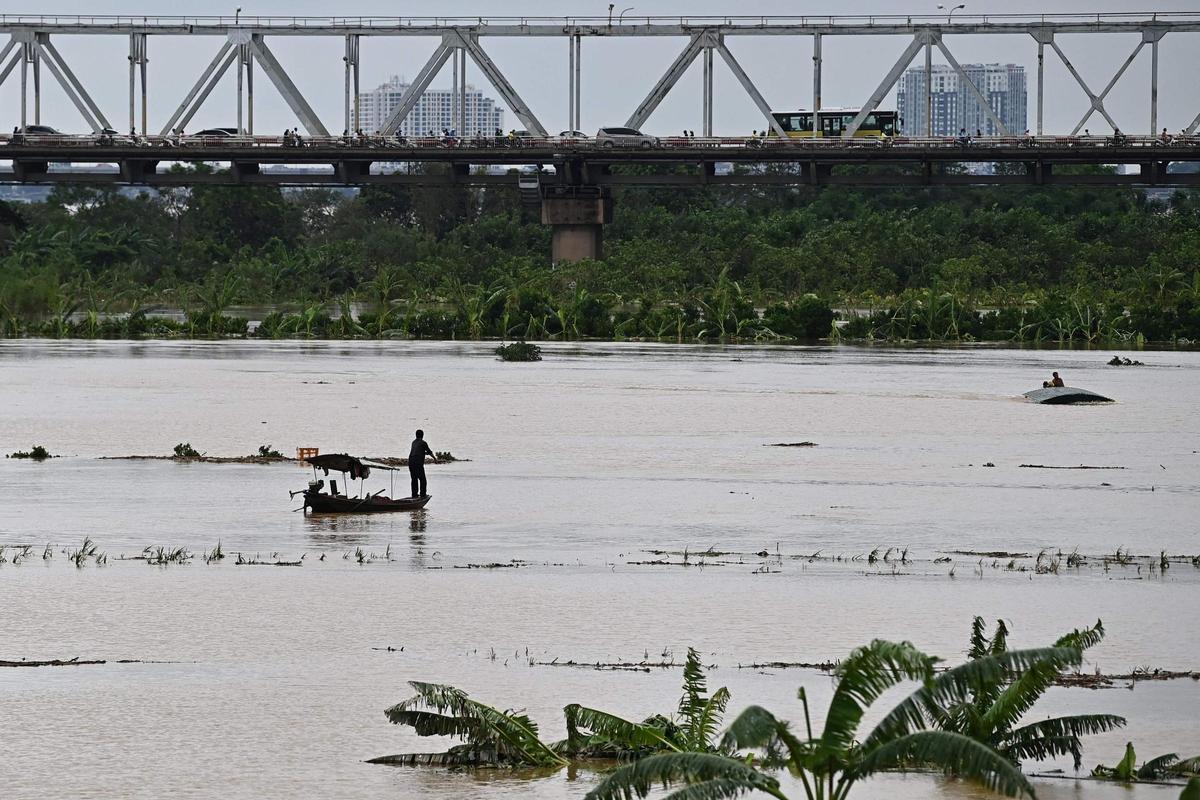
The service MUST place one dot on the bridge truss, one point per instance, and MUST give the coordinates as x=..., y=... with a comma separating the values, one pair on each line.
x=243, y=42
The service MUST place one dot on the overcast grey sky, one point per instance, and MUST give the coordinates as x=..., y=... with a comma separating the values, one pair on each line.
x=616, y=73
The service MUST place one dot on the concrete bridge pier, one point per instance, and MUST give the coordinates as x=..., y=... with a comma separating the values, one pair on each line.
x=577, y=216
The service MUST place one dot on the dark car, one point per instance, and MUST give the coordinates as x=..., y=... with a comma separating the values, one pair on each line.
x=39, y=130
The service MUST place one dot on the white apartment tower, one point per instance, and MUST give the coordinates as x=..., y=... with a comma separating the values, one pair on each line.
x=433, y=112
x=956, y=107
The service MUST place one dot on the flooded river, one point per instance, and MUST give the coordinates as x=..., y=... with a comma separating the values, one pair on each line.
x=590, y=474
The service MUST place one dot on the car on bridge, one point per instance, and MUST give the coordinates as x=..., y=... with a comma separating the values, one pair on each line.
x=39, y=130
x=626, y=137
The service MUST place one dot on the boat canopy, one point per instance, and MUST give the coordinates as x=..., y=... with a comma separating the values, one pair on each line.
x=340, y=462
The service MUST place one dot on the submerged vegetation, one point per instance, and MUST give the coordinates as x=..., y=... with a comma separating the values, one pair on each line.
x=36, y=453
x=1083, y=265
x=492, y=736
x=593, y=733
x=986, y=697
x=1165, y=766
x=519, y=351
x=964, y=721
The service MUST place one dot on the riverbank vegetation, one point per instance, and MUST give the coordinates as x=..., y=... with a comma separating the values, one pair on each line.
x=1083, y=265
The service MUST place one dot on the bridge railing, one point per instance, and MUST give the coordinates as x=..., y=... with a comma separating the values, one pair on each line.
x=596, y=22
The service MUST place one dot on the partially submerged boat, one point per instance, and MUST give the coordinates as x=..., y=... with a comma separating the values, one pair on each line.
x=1064, y=395
x=333, y=501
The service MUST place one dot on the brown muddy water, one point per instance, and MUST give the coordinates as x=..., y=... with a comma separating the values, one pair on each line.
x=266, y=681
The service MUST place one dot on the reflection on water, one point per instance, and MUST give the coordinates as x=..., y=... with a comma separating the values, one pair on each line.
x=579, y=465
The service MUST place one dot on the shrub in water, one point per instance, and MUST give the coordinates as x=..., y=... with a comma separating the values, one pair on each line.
x=38, y=453
x=185, y=450
x=519, y=351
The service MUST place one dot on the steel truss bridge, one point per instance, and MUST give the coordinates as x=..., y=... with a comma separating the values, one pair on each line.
x=575, y=196
x=242, y=43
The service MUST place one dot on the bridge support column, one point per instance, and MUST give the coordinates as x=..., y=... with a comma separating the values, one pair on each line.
x=577, y=216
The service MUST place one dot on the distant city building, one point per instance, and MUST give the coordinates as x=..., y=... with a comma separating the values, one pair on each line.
x=434, y=111
x=955, y=106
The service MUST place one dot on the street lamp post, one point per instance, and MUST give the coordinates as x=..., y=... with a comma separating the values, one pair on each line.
x=611, y=6
x=237, y=15
x=621, y=16
x=950, y=16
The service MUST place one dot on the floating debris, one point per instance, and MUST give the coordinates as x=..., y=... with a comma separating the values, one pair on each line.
x=73, y=662
x=823, y=666
x=612, y=666
x=1081, y=466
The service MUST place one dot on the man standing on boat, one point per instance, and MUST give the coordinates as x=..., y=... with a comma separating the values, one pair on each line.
x=416, y=464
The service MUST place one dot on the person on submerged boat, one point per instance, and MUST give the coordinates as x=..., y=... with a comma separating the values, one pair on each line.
x=1054, y=381
x=416, y=464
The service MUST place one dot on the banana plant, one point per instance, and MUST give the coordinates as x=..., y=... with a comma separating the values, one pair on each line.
x=1169, y=765
x=692, y=729
x=10, y=323
x=475, y=303
x=345, y=326
x=62, y=310
x=1008, y=683
x=828, y=765
x=489, y=734
x=382, y=289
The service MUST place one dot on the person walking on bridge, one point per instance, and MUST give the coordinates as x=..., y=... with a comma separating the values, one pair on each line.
x=416, y=464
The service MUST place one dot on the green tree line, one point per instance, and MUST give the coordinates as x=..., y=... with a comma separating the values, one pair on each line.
x=732, y=263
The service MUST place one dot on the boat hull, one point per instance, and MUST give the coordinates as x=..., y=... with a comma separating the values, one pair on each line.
x=1064, y=395
x=328, y=504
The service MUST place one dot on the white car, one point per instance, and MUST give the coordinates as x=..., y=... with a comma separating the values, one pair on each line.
x=625, y=137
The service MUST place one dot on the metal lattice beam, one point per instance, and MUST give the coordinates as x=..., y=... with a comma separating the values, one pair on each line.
x=8, y=48
x=1097, y=103
x=919, y=40
x=646, y=26
x=671, y=77
x=1190, y=129
x=91, y=112
x=761, y=102
x=470, y=43
x=417, y=88
x=1098, y=100
x=202, y=88
x=962, y=75
x=287, y=89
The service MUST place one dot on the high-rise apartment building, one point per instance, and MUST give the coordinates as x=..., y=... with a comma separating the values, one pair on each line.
x=956, y=107
x=433, y=112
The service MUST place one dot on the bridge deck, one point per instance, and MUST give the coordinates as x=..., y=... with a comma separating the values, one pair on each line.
x=813, y=161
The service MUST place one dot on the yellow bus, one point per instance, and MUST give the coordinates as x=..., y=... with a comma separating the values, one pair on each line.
x=832, y=121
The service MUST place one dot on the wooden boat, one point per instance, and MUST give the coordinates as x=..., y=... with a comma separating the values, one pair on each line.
x=333, y=501
x=1064, y=395
x=325, y=503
